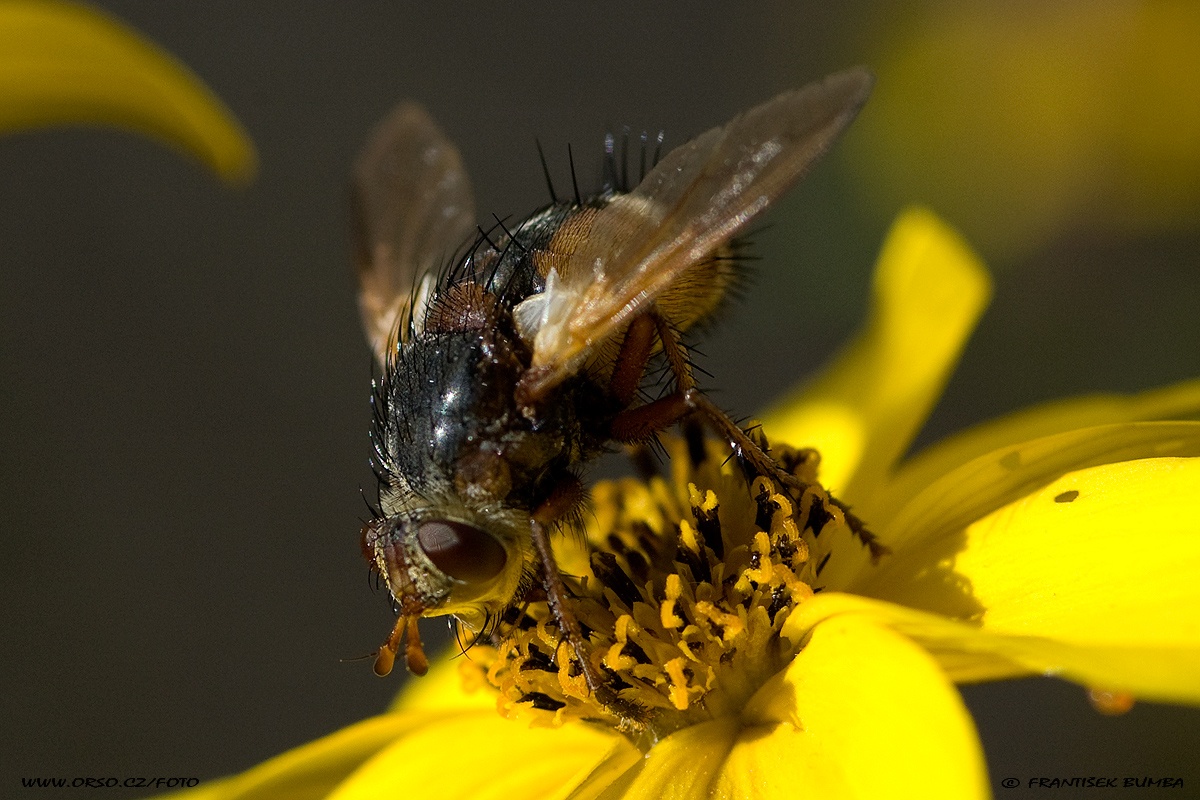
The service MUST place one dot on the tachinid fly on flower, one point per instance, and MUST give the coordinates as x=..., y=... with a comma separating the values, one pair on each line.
x=514, y=356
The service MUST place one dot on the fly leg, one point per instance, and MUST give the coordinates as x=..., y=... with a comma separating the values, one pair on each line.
x=562, y=500
x=627, y=373
x=565, y=497
x=641, y=422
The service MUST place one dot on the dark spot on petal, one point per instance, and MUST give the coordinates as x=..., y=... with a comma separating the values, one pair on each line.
x=1066, y=497
x=1012, y=460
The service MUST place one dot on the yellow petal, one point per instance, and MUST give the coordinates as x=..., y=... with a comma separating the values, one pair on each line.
x=312, y=770
x=946, y=506
x=680, y=767
x=1152, y=671
x=949, y=536
x=1107, y=555
x=451, y=684
x=480, y=755
x=955, y=645
x=64, y=63
x=1178, y=402
x=607, y=776
x=861, y=712
x=864, y=411
x=1093, y=574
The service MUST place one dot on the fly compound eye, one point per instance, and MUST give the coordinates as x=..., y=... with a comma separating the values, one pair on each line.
x=461, y=551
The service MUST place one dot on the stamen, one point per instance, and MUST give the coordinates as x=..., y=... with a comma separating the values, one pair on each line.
x=683, y=592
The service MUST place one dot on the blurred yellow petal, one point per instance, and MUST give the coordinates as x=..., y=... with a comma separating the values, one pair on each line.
x=862, y=712
x=479, y=755
x=312, y=770
x=64, y=63
x=1030, y=119
x=446, y=687
x=863, y=412
x=1178, y=402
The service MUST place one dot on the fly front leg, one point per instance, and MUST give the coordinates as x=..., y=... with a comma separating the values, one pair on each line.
x=563, y=499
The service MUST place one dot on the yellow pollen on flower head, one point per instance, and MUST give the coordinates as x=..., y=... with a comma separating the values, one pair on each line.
x=681, y=592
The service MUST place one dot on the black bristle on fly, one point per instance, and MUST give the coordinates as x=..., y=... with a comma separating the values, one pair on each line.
x=574, y=178
x=608, y=169
x=625, y=159
x=512, y=240
x=642, y=156
x=546, y=172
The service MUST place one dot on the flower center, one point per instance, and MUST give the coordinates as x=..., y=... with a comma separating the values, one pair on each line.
x=682, y=589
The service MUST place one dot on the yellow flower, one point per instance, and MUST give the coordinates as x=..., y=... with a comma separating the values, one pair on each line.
x=754, y=647
x=66, y=63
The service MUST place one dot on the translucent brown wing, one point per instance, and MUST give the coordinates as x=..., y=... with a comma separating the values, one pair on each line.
x=698, y=197
x=413, y=208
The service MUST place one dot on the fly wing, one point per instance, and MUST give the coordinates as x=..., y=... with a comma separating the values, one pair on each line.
x=698, y=197
x=413, y=207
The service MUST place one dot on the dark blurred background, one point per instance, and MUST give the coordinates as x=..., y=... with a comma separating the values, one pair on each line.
x=184, y=390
